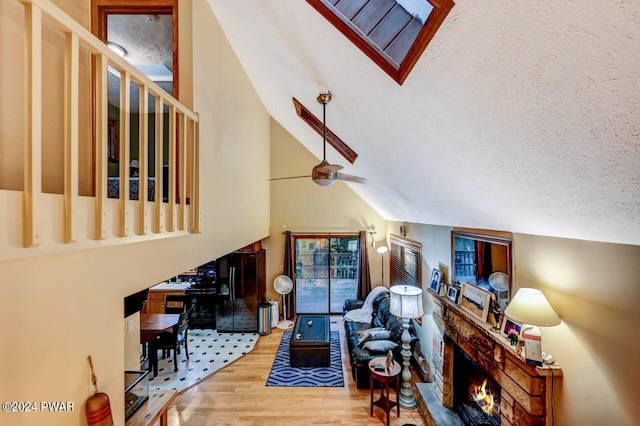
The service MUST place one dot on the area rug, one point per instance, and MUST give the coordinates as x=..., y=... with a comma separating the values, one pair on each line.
x=282, y=374
x=209, y=351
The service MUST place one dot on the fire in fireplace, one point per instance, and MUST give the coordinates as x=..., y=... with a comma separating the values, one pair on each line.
x=484, y=399
x=476, y=396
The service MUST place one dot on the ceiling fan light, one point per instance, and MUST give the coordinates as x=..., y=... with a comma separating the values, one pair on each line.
x=324, y=181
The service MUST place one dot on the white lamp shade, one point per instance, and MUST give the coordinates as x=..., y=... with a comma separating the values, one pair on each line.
x=134, y=163
x=529, y=306
x=406, y=301
x=382, y=249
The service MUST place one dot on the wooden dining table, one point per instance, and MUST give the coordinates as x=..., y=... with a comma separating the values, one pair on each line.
x=150, y=326
x=153, y=324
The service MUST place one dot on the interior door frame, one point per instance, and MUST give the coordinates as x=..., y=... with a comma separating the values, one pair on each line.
x=101, y=8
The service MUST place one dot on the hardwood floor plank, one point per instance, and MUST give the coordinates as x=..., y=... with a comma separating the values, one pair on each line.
x=236, y=395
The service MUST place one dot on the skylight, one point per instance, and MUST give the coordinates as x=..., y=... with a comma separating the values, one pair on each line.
x=392, y=33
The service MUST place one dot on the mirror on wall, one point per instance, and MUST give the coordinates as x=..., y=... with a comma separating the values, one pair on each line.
x=485, y=261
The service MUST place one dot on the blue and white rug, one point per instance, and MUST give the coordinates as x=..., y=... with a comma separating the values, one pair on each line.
x=282, y=374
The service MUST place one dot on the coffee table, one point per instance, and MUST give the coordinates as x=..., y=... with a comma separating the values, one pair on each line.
x=310, y=344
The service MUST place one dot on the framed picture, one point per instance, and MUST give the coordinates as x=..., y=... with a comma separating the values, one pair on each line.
x=452, y=293
x=510, y=327
x=112, y=145
x=475, y=300
x=436, y=280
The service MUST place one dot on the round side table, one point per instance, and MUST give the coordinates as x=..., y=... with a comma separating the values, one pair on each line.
x=385, y=378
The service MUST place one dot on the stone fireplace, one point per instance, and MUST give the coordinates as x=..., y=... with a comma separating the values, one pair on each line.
x=466, y=353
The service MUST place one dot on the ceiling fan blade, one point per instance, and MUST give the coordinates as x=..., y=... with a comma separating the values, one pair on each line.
x=351, y=178
x=328, y=168
x=290, y=177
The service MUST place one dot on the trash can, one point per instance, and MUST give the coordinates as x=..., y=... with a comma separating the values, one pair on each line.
x=264, y=318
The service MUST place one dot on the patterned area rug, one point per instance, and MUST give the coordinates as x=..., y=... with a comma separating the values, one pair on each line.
x=282, y=374
x=209, y=351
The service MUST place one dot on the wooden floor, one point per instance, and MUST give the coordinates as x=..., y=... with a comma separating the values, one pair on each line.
x=237, y=395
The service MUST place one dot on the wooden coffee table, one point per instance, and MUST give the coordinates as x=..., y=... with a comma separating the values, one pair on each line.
x=310, y=344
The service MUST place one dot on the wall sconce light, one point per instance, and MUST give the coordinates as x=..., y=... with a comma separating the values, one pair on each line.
x=403, y=230
x=373, y=241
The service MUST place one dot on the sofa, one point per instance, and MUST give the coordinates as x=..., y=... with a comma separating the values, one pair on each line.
x=382, y=328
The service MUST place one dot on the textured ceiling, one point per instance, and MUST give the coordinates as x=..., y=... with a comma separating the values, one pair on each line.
x=523, y=117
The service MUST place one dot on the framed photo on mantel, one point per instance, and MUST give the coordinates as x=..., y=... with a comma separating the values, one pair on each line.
x=436, y=281
x=475, y=300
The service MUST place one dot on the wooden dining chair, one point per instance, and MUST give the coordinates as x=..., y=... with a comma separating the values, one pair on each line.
x=172, y=341
x=175, y=303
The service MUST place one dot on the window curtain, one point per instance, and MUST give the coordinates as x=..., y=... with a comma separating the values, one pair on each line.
x=364, y=280
x=483, y=261
x=290, y=271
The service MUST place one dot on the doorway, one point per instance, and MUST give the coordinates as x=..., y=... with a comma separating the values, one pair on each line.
x=327, y=271
x=145, y=34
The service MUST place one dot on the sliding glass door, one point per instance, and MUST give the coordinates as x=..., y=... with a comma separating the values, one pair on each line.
x=326, y=272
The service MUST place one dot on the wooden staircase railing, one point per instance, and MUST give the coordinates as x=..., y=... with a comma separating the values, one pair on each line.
x=116, y=220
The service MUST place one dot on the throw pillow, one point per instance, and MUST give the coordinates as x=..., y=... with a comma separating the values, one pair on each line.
x=382, y=334
x=376, y=333
x=380, y=345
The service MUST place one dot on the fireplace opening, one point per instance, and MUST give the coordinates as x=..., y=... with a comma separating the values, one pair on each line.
x=476, y=396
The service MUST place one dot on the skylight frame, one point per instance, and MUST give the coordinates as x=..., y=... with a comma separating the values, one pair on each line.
x=398, y=72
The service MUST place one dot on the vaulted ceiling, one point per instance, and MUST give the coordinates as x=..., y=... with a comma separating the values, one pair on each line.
x=519, y=116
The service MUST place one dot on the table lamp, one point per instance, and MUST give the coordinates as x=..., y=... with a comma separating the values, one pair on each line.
x=406, y=303
x=134, y=165
x=532, y=309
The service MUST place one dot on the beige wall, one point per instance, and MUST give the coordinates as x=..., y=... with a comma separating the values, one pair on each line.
x=595, y=289
x=132, y=342
x=13, y=104
x=12, y=100
x=60, y=308
x=303, y=206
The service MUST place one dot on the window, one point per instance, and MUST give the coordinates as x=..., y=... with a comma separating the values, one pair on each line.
x=406, y=262
x=326, y=272
x=392, y=33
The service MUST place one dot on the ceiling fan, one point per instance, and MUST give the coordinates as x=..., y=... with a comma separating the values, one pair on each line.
x=325, y=174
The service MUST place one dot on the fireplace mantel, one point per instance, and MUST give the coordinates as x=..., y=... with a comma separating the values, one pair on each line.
x=526, y=390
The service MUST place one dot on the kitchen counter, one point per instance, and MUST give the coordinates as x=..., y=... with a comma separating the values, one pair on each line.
x=167, y=286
